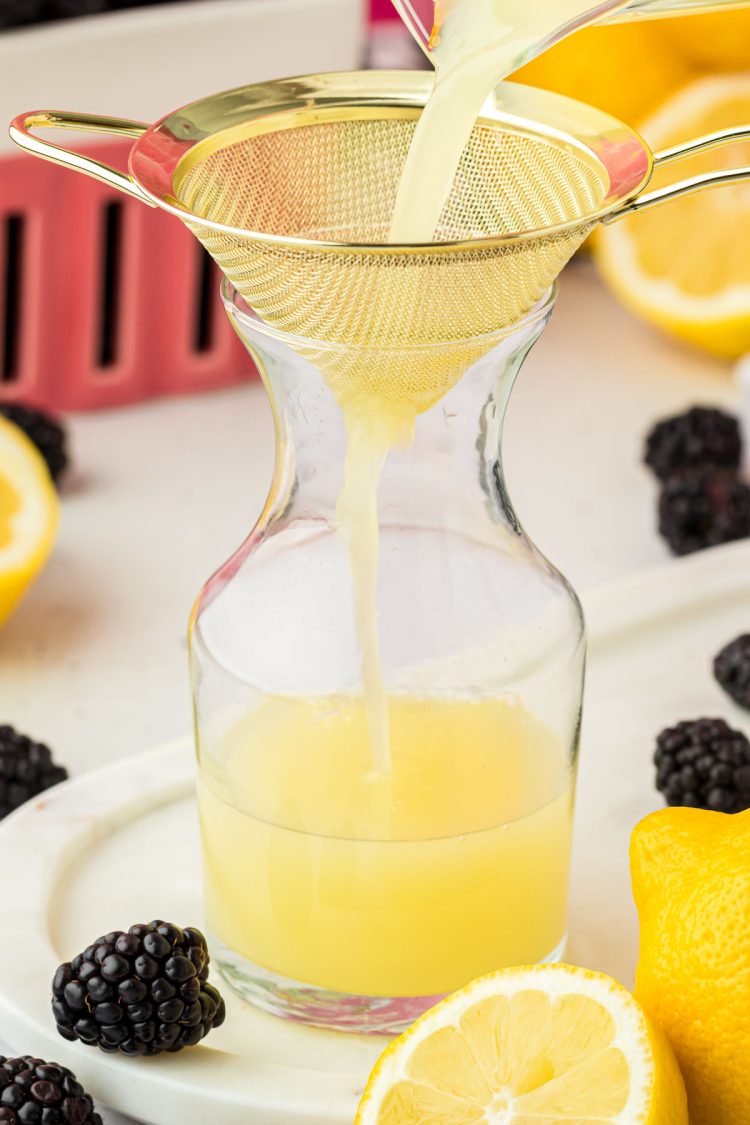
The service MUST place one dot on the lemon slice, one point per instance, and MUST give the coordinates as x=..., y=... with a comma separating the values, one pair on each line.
x=28, y=515
x=538, y=1046
x=685, y=266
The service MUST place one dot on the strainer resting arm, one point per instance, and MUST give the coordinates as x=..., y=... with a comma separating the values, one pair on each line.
x=718, y=178
x=21, y=132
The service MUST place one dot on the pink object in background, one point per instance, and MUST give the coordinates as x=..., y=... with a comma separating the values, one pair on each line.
x=383, y=10
x=103, y=301
x=391, y=47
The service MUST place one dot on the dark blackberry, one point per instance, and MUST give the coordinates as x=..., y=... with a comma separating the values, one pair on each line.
x=140, y=993
x=46, y=432
x=18, y=13
x=68, y=9
x=703, y=507
x=33, y=1092
x=26, y=769
x=702, y=436
x=704, y=765
x=732, y=670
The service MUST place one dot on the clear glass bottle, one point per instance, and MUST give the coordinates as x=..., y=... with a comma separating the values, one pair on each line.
x=337, y=894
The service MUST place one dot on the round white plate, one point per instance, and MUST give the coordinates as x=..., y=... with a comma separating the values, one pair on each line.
x=120, y=845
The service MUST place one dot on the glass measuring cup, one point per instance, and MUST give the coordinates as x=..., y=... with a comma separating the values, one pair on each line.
x=553, y=19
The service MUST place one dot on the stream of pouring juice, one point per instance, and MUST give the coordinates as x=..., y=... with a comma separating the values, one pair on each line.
x=401, y=885
x=475, y=44
x=371, y=436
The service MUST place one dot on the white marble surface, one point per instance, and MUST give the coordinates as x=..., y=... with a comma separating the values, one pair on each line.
x=95, y=660
x=122, y=843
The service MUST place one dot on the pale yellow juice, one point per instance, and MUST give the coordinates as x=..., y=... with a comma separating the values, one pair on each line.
x=455, y=863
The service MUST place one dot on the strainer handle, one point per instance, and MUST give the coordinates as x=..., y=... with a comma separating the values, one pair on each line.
x=20, y=132
x=695, y=183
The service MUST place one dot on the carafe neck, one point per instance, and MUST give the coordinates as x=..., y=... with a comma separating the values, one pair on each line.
x=439, y=467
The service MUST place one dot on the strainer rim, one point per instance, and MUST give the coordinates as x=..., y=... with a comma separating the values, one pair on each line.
x=540, y=311
x=613, y=200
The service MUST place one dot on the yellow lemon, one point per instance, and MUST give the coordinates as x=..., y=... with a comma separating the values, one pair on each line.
x=625, y=69
x=691, y=881
x=532, y=1046
x=28, y=515
x=717, y=41
x=685, y=266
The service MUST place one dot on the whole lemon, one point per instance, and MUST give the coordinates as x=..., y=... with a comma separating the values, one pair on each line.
x=691, y=882
x=627, y=69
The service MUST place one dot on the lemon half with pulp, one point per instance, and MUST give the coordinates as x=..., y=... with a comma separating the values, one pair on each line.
x=548, y=1045
x=685, y=266
x=28, y=515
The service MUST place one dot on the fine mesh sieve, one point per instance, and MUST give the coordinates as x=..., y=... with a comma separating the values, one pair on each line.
x=290, y=185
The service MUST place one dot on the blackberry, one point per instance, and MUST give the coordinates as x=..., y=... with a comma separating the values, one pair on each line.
x=703, y=507
x=33, y=1091
x=26, y=769
x=67, y=9
x=702, y=436
x=704, y=765
x=140, y=992
x=46, y=432
x=18, y=13
x=732, y=670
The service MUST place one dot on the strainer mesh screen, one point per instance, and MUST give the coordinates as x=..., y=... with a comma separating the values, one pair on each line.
x=337, y=181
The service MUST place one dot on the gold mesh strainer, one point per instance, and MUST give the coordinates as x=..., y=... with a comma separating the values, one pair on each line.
x=290, y=185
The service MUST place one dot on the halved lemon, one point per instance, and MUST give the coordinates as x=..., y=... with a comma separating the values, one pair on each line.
x=685, y=266
x=535, y=1046
x=714, y=40
x=596, y=66
x=28, y=515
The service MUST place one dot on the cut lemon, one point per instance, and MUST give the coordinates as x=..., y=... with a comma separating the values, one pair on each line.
x=596, y=66
x=714, y=40
x=685, y=267
x=28, y=515
x=539, y=1046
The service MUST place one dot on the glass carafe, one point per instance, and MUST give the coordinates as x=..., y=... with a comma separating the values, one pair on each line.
x=338, y=893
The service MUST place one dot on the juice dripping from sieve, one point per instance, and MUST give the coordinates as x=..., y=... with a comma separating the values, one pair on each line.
x=372, y=435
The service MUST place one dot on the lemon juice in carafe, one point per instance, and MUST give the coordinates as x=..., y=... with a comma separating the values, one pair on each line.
x=401, y=885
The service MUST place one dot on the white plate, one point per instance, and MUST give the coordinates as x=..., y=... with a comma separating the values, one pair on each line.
x=120, y=845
